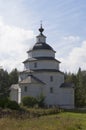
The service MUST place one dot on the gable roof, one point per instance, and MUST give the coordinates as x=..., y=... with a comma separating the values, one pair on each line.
x=67, y=85
x=31, y=79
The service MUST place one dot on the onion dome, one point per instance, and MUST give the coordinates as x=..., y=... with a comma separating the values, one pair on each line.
x=41, y=41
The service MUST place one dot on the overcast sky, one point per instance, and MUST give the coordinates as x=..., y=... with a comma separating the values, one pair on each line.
x=64, y=22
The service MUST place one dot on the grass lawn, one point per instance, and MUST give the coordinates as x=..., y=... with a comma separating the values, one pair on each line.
x=61, y=121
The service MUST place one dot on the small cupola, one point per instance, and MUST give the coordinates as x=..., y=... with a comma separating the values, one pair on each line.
x=41, y=38
x=41, y=48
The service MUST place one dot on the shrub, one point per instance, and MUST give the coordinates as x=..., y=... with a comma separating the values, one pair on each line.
x=29, y=101
x=6, y=103
x=12, y=105
x=3, y=102
x=40, y=101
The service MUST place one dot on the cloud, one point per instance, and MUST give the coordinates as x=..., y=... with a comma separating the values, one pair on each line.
x=75, y=59
x=13, y=43
x=66, y=45
x=71, y=38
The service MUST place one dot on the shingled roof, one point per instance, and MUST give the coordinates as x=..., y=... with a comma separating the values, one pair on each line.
x=41, y=58
x=67, y=85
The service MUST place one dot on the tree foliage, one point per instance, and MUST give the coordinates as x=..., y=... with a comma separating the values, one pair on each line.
x=13, y=77
x=40, y=100
x=29, y=101
x=79, y=81
x=6, y=80
x=6, y=103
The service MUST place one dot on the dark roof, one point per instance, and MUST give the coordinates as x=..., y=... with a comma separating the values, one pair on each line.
x=67, y=85
x=40, y=46
x=41, y=35
x=48, y=70
x=42, y=70
x=41, y=58
x=29, y=59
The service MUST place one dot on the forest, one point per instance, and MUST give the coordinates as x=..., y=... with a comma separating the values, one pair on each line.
x=78, y=79
x=6, y=80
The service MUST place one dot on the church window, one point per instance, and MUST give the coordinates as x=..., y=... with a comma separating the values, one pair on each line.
x=57, y=66
x=39, y=39
x=35, y=65
x=51, y=90
x=25, y=88
x=51, y=78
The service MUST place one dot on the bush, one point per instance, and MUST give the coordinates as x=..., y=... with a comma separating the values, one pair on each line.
x=12, y=105
x=6, y=103
x=29, y=101
x=40, y=101
x=3, y=102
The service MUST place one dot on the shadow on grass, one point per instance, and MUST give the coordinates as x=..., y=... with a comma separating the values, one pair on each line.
x=76, y=110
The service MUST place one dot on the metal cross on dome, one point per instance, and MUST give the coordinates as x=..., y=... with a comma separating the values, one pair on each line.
x=41, y=29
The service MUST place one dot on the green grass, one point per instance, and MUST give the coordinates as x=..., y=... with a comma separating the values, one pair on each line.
x=61, y=121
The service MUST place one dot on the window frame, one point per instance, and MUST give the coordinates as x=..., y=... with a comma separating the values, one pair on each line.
x=51, y=89
x=25, y=88
x=35, y=65
x=51, y=78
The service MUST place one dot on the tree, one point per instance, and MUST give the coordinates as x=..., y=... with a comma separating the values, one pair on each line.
x=6, y=80
x=80, y=94
x=13, y=77
x=4, y=83
x=79, y=81
x=40, y=100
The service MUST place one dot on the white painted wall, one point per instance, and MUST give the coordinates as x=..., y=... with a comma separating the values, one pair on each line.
x=58, y=78
x=41, y=53
x=32, y=90
x=66, y=97
x=14, y=94
x=41, y=38
x=19, y=95
x=42, y=64
x=61, y=98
